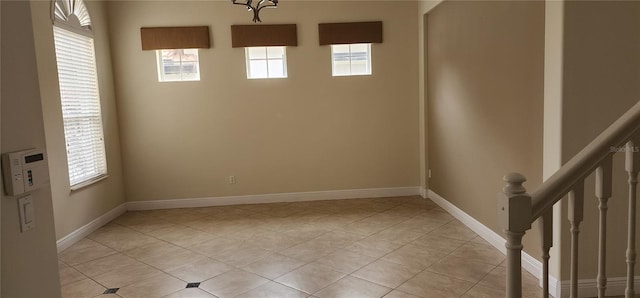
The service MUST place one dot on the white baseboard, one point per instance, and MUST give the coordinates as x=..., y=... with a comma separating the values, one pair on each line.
x=424, y=192
x=589, y=287
x=89, y=228
x=276, y=198
x=529, y=263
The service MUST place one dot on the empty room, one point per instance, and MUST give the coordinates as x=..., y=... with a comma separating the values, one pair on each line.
x=309, y=148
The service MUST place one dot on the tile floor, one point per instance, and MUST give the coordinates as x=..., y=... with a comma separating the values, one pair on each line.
x=381, y=247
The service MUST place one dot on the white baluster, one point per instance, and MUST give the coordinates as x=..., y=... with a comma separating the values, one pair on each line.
x=632, y=165
x=603, y=192
x=546, y=233
x=514, y=209
x=576, y=207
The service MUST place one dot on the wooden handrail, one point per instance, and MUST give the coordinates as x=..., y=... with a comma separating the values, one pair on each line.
x=586, y=161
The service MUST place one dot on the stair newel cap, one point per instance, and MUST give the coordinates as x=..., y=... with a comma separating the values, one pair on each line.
x=514, y=184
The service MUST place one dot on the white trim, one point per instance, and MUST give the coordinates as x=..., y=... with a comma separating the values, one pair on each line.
x=529, y=263
x=87, y=229
x=424, y=192
x=589, y=287
x=276, y=198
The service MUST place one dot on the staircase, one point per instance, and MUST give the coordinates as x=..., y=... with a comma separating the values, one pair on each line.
x=518, y=210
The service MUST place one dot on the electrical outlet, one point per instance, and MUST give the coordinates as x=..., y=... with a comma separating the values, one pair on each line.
x=429, y=173
x=232, y=179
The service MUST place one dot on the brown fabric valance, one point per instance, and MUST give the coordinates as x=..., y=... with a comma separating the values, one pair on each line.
x=164, y=38
x=346, y=33
x=264, y=35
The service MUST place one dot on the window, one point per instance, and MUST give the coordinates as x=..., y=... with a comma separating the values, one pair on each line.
x=80, y=99
x=351, y=59
x=266, y=62
x=178, y=65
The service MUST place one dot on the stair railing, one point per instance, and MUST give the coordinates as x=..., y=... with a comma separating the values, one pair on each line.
x=518, y=210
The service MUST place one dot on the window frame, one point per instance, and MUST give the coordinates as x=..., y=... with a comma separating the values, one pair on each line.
x=368, y=60
x=65, y=28
x=161, y=67
x=248, y=60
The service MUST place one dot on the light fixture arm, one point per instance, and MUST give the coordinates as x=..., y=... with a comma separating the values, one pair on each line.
x=256, y=9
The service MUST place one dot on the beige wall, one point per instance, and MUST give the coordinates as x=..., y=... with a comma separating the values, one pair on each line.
x=74, y=209
x=601, y=80
x=485, y=101
x=29, y=260
x=309, y=132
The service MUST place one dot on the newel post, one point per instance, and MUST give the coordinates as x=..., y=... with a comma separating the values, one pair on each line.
x=514, y=212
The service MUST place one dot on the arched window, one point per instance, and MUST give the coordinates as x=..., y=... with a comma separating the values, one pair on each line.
x=79, y=92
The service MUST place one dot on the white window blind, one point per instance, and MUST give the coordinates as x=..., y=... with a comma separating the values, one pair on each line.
x=80, y=106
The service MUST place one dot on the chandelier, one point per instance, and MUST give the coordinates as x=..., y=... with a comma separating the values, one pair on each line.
x=256, y=9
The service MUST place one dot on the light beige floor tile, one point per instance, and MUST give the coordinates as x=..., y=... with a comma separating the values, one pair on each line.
x=479, y=291
x=108, y=232
x=337, y=239
x=399, y=294
x=83, y=288
x=454, y=231
x=200, y=270
x=75, y=257
x=273, y=290
x=308, y=251
x=232, y=283
x=479, y=240
x=153, y=224
x=243, y=234
x=328, y=233
x=304, y=232
x=82, y=244
x=242, y=255
x=213, y=247
x=496, y=280
x=157, y=286
x=437, y=215
x=461, y=268
x=480, y=253
x=154, y=250
x=404, y=211
x=173, y=261
x=372, y=247
x=438, y=244
x=70, y=275
x=383, y=219
x=131, y=241
x=271, y=240
x=350, y=287
x=310, y=278
x=397, y=234
x=427, y=284
x=364, y=228
x=419, y=225
x=190, y=293
x=126, y=275
x=183, y=236
x=273, y=266
x=385, y=273
x=413, y=257
x=106, y=264
x=344, y=261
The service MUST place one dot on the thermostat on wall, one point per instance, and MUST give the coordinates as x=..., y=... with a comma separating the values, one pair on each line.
x=24, y=171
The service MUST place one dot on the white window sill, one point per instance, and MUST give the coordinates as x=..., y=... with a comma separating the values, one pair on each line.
x=89, y=182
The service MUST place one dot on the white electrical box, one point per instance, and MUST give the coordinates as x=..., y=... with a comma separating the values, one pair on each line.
x=24, y=171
